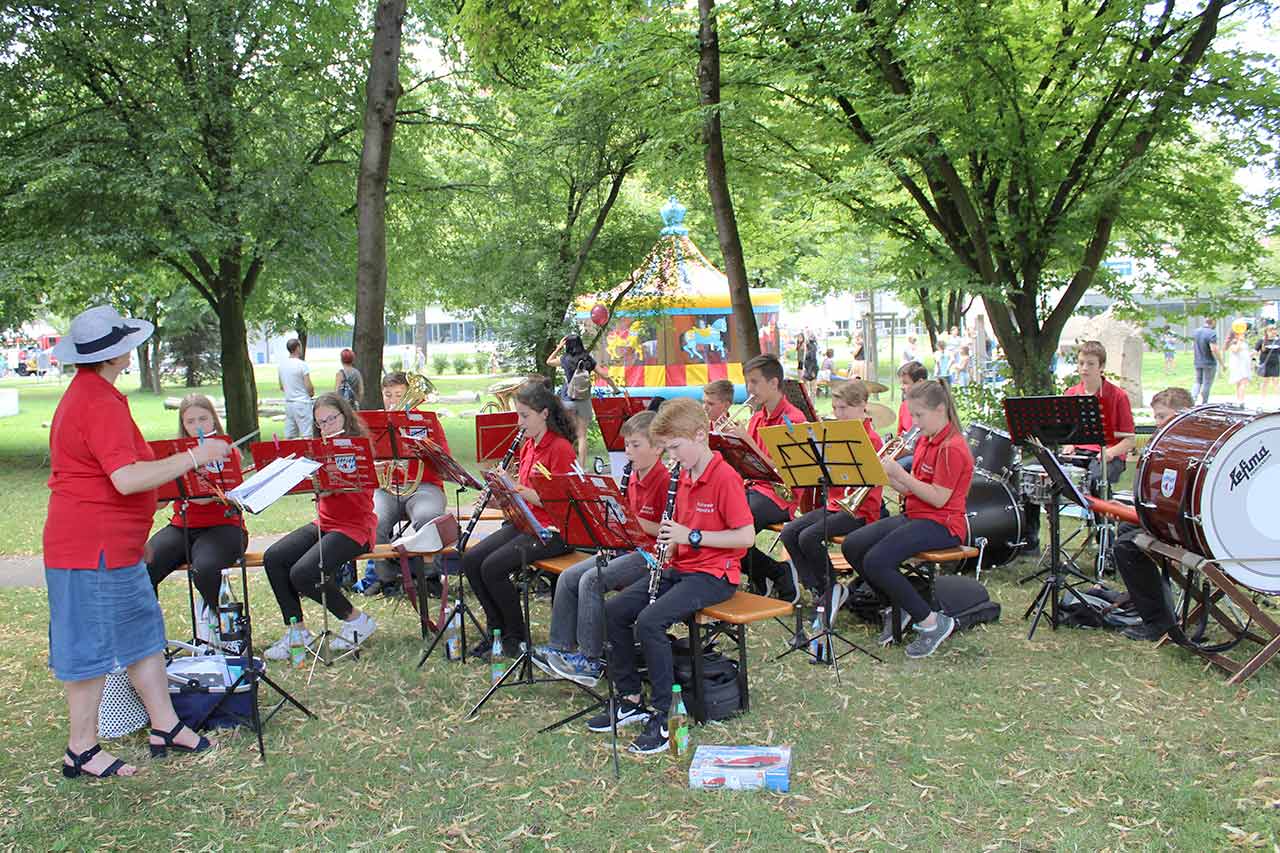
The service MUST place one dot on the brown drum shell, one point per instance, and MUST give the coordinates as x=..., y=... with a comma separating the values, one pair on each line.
x=1186, y=444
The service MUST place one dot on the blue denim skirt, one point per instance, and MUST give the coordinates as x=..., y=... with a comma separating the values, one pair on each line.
x=101, y=620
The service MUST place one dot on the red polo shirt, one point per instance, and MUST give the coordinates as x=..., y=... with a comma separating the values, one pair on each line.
x=717, y=501
x=1117, y=414
x=904, y=417
x=349, y=513
x=648, y=497
x=869, y=510
x=555, y=452
x=943, y=460
x=785, y=411
x=213, y=514
x=92, y=436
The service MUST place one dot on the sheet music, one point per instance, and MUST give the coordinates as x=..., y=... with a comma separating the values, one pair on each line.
x=268, y=485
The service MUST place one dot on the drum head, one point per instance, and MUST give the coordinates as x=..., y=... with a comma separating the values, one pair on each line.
x=1238, y=504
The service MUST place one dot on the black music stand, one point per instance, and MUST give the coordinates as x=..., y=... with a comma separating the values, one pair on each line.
x=1038, y=423
x=823, y=454
x=449, y=469
x=516, y=510
x=591, y=513
x=207, y=482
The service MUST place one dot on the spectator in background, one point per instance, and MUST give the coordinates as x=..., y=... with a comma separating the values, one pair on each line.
x=348, y=382
x=294, y=376
x=1268, y=349
x=858, y=370
x=1239, y=364
x=1207, y=358
x=810, y=372
x=961, y=367
x=910, y=352
x=1170, y=343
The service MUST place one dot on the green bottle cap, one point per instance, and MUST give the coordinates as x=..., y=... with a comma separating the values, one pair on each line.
x=675, y=688
x=497, y=633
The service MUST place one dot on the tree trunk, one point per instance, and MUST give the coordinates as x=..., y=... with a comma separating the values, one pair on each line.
x=420, y=339
x=239, y=390
x=382, y=91
x=735, y=266
x=144, y=368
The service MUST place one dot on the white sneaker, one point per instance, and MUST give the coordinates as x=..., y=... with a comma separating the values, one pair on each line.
x=204, y=637
x=279, y=650
x=352, y=634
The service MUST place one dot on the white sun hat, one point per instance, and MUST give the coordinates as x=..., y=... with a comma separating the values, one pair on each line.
x=99, y=334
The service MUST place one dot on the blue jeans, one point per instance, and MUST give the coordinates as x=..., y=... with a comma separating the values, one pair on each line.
x=577, y=610
x=1204, y=381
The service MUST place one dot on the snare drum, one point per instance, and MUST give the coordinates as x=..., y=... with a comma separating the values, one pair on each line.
x=1037, y=487
x=1209, y=481
x=992, y=450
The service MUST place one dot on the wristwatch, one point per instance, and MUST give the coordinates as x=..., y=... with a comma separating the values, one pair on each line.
x=695, y=539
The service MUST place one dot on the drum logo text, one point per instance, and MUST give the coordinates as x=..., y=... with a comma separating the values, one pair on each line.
x=1245, y=469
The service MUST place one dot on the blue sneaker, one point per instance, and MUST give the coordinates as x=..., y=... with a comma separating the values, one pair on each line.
x=576, y=667
x=539, y=654
x=368, y=584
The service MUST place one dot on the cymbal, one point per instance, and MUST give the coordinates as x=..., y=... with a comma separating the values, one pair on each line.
x=874, y=387
x=882, y=417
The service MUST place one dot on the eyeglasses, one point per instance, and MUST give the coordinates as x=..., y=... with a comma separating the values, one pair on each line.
x=324, y=422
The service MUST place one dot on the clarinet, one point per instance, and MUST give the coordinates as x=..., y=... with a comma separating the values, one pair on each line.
x=483, y=500
x=626, y=480
x=662, y=549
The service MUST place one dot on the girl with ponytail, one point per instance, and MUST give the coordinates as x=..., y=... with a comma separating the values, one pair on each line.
x=934, y=516
x=549, y=434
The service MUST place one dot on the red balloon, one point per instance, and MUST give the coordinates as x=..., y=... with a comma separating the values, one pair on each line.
x=599, y=314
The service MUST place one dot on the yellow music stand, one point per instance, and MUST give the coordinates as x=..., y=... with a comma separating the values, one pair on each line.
x=825, y=453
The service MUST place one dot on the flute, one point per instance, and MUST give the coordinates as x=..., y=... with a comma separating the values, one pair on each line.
x=483, y=499
x=663, y=548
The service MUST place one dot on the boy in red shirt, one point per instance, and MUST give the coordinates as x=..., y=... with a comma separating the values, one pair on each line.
x=764, y=382
x=717, y=399
x=575, y=650
x=710, y=531
x=934, y=517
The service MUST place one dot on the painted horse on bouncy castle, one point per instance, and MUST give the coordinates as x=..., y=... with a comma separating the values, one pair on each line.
x=712, y=337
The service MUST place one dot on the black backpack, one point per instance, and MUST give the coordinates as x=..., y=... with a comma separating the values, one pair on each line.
x=347, y=390
x=719, y=678
x=964, y=600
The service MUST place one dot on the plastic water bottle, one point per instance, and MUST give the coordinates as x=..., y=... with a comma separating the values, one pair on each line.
x=817, y=647
x=497, y=666
x=678, y=723
x=226, y=612
x=297, y=648
x=453, y=638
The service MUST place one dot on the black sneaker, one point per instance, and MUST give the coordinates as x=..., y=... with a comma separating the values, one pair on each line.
x=654, y=738
x=628, y=713
x=786, y=583
x=886, y=631
x=1146, y=632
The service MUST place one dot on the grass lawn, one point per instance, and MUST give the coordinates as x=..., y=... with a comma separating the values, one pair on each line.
x=1076, y=740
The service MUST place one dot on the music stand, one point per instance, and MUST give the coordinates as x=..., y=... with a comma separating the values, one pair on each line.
x=1038, y=423
x=611, y=413
x=214, y=481
x=494, y=433
x=825, y=454
x=591, y=512
x=346, y=465
x=515, y=509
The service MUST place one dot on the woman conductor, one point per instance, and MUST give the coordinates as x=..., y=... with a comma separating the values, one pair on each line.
x=102, y=481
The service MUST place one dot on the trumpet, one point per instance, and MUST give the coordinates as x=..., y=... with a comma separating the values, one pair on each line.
x=730, y=417
x=896, y=448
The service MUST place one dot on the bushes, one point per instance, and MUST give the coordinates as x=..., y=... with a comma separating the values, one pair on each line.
x=461, y=363
x=439, y=363
x=482, y=362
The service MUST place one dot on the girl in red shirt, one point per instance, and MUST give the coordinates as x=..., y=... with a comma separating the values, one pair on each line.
x=934, y=517
x=347, y=525
x=806, y=537
x=549, y=434
x=216, y=539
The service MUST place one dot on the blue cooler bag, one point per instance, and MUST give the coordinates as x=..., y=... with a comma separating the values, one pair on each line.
x=201, y=688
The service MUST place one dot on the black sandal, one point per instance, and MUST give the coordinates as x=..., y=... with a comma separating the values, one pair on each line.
x=158, y=750
x=77, y=766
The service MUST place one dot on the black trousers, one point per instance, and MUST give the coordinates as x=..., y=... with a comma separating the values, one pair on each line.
x=294, y=568
x=756, y=564
x=805, y=539
x=1143, y=578
x=212, y=550
x=629, y=617
x=488, y=564
x=877, y=550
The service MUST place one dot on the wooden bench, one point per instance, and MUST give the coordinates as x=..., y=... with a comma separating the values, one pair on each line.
x=729, y=618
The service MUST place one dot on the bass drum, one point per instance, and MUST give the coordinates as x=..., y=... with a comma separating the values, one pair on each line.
x=994, y=511
x=1209, y=481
